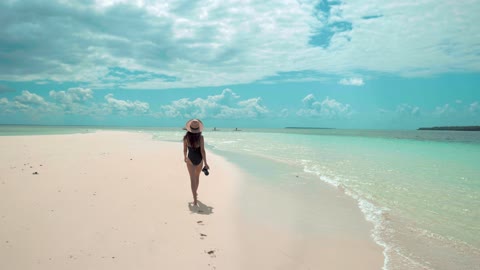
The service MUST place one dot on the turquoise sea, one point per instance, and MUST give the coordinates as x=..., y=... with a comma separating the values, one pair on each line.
x=419, y=189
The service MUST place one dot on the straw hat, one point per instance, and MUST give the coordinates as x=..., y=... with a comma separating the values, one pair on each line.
x=194, y=126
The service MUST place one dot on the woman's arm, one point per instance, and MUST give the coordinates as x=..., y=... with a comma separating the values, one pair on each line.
x=204, y=155
x=185, y=150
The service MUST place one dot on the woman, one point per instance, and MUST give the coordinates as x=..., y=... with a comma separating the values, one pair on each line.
x=193, y=142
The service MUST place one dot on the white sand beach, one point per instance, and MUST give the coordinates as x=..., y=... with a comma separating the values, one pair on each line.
x=120, y=200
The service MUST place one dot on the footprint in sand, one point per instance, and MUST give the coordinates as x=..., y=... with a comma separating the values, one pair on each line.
x=211, y=253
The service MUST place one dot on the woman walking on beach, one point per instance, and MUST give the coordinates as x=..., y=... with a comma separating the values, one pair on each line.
x=196, y=157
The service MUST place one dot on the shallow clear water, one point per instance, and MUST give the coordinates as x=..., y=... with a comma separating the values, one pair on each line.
x=420, y=189
x=20, y=130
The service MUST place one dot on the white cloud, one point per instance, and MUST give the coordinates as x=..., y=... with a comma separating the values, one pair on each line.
x=383, y=111
x=124, y=107
x=284, y=113
x=72, y=95
x=5, y=106
x=73, y=100
x=474, y=107
x=352, y=81
x=223, y=106
x=327, y=108
x=3, y=101
x=77, y=101
x=28, y=98
x=27, y=102
x=444, y=110
x=407, y=110
x=251, y=108
x=456, y=109
x=220, y=42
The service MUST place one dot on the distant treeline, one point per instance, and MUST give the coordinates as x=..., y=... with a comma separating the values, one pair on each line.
x=457, y=128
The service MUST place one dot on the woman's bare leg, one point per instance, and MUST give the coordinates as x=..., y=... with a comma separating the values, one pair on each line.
x=193, y=181
x=198, y=170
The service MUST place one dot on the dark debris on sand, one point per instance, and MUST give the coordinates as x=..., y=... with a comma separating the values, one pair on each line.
x=211, y=253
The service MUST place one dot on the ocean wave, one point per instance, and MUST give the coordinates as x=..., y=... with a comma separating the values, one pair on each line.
x=372, y=213
x=382, y=232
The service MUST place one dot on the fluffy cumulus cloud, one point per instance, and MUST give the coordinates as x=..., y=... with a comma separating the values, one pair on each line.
x=407, y=110
x=124, y=107
x=226, y=105
x=352, y=81
x=28, y=98
x=26, y=102
x=383, y=111
x=171, y=44
x=327, y=108
x=3, y=105
x=81, y=101
x=456, y=108
x=73, y=100
x=72, y=95
x=284, y=113
x=443, y=110
x=6, y=106
x=78, y=101
x=474, y=107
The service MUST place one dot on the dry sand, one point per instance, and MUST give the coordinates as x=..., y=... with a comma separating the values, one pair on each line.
x=120, y=200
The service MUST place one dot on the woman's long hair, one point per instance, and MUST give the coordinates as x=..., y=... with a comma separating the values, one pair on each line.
x=193, y=139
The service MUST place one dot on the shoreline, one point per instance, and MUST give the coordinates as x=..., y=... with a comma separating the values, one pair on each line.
x=372, y=217
x=119, y=200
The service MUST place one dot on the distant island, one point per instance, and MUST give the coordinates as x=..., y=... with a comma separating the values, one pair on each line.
x=456, y=128
x=308, y=128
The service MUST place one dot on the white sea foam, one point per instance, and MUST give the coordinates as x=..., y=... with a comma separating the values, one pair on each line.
x=376, y=215
x=227, y=142
x=372, y=213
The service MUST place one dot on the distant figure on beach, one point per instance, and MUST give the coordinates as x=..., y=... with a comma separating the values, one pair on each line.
x=196, y=157
x=236, y=129
x=214, y=129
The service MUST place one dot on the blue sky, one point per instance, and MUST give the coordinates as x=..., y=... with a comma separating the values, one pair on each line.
x=342, y=64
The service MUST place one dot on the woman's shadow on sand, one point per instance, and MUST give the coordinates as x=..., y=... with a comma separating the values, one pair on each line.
x=201, y=208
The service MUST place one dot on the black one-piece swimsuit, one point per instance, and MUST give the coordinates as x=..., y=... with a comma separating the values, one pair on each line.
x=195, y=155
